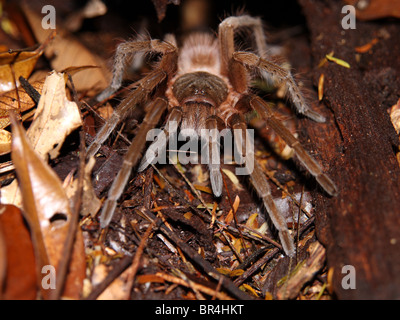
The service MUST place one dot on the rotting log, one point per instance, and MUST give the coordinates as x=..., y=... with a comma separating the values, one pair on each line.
x=357, y=146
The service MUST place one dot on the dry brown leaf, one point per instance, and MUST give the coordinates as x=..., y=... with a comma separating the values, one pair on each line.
x=21, y=102
x=46, y=208
x=56, y=117
x=5, y=141
x=233, y=178
x=65, y=51
x=20, y=280
x=16, y=64
x=9, y=102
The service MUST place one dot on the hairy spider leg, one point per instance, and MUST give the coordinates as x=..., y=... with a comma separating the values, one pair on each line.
x=227, y=50
x=282, y=75
x=226, y=33
x=165, y=68
x=260, y=184
x=144, y=88
x=160, y=145
x=262, y=108
x=213, y=154
x=128, y=49
x=131, y=158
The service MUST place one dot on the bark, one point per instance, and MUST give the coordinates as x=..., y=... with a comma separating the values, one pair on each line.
x=358, y=145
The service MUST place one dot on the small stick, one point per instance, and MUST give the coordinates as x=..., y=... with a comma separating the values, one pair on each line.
x=197, y=258
x=199, y=287
x=62, y=268
x=138, y=255
x=268, y=256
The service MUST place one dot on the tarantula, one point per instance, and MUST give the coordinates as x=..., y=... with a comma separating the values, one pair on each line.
x=207, y=86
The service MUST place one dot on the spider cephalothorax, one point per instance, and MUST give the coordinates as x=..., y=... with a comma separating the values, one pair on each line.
x=207, y=87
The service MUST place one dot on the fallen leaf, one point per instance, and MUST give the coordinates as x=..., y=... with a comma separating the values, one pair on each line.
x=229, y=217
x=21, y=102
x=252, y=221
x=15, y=64
x=47, y=210
x=395, y=116
x=366, y=47
x=18, y=258
x=203, y=188
x=249, y=289
x=9, y=100
x=321, y=86
x=65, y=51
x=9, y=103
x=236, y=273
x=338, y=61
x=5, y=141
x=224, y=271
x=56, y=117
x=233, y=178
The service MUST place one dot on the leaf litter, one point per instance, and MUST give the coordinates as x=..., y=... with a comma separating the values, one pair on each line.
x=172, y=239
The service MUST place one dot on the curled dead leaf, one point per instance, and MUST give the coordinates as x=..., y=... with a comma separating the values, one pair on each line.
x=56, y=117
x=17, y=259
x=46, y=208
x=5, y=141
x=66, y=51
x=16, y=63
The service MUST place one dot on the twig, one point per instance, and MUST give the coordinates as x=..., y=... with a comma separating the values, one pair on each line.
x=197, y=258
x=199, y=287
x=258, y=264
x=191, y=284
x=138, y=255
x=62, y=268
x=208, y=219
x=29, y=89
x=269, y=255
